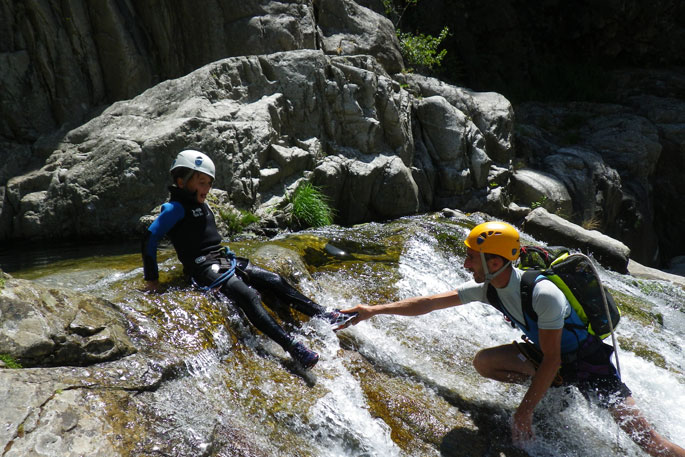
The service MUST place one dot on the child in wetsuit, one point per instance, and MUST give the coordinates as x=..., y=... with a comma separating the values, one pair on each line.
x=190, y=224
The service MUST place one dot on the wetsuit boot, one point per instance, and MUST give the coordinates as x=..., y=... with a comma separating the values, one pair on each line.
x=302, y=355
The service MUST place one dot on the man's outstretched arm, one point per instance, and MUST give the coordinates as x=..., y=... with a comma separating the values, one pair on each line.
x=413, y=306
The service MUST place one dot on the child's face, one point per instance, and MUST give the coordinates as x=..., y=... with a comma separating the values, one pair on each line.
x=200, y=183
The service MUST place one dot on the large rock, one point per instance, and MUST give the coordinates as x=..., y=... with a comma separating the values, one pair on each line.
x=606, y=156
x=640, y=271
x=658, y=95
x=49, y=327
x=491, y=112
x=267, y=121
x=536, y=188
x=46, y=413
x=595, y=187
x=58, y=61
x=455, y=149
x=553, y=229
x=366, y=189
x=348, y=28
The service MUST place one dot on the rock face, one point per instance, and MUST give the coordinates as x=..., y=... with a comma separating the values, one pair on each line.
x=553, y=49
x=267, y=121
x=558, y=231
x=317, y=95
x=624, y=59
x=616, y=161
x=535, y=188
x=51, y=327
x=59, y=61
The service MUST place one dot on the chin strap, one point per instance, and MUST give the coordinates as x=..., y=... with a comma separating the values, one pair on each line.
x=490, y=276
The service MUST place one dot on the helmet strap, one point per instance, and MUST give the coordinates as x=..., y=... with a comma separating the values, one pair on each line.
x=488, y=275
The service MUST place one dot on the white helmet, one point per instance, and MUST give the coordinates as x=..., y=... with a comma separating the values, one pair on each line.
x=194, y=160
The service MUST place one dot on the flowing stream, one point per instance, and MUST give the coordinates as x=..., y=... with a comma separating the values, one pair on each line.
x=391, y=386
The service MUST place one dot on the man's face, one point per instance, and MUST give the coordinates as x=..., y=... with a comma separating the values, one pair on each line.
x=474, y=264
x=200, y=183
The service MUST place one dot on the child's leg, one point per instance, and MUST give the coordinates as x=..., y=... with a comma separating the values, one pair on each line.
x=249, y=300
x=275, y=283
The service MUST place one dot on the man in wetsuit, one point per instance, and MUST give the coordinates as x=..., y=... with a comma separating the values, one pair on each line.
x=556, y=350
x=190, y=224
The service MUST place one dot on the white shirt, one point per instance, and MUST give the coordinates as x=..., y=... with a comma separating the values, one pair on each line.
x=549, y=301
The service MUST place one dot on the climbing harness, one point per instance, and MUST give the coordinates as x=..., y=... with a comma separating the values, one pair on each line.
x=227, y=254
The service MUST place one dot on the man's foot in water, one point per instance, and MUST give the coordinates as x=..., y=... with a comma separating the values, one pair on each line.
x=305, y=357
x=337, y=319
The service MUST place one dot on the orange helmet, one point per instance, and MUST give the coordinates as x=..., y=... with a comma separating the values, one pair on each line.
x=495, y=238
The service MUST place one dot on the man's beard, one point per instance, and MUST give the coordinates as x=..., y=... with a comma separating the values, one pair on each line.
x=478, y=277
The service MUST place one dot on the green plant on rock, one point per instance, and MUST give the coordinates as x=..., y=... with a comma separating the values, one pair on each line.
x=237, y=221
x=642, y=350
x=540, y=203
x=637, y=308
x=310, y=207
x=592, y=223
x=418, y=50
x=9, y=361
x=422, y=50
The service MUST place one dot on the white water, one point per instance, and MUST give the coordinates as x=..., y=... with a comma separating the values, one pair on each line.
x=439, y=347
x=434, y=350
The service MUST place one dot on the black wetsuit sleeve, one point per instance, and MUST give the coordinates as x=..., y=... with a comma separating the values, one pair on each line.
x=172, y=212
x=150, y=269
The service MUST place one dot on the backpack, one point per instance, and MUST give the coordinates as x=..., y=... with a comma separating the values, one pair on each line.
x=575, y=275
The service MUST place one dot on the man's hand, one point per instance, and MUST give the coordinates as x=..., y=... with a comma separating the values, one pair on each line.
x=363, y=312
x=522, y=428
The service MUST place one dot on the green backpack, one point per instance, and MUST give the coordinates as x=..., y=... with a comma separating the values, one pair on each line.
x=575, y=275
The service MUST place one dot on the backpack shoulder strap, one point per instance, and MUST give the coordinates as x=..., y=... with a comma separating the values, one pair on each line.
x=493, y=298
x=495, y=302
x=528, y=281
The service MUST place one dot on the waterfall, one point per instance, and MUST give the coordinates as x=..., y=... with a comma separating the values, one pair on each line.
x=390, y=386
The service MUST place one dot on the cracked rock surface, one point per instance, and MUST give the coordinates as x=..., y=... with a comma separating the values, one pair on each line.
x=41, y=326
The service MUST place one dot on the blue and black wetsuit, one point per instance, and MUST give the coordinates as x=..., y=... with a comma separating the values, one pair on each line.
x=192, y=229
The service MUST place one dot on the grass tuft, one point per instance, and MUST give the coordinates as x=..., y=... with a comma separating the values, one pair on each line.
x=310, y=207
x=9, y=361
x=237, y=221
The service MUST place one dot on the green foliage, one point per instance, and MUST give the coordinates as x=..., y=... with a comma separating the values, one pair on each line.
x=418, y=50
x=237, y=221
x=539, y=203
x=9, y=361
x=310, y=207
x=422, y=50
